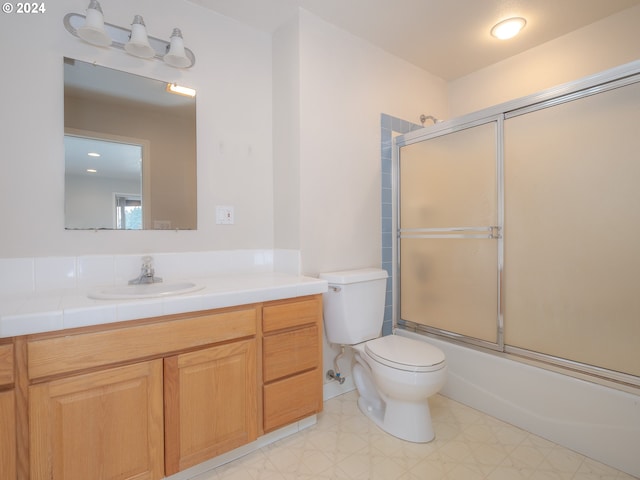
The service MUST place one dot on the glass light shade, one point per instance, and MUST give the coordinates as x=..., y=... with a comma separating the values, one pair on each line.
x=138, y=45
x=176, y=56
x=508, y=28
x=93, y=30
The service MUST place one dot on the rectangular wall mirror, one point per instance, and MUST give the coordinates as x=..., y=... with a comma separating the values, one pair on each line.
x=130, y=152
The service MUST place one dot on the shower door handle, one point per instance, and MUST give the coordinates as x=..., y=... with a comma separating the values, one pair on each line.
x=491, y=232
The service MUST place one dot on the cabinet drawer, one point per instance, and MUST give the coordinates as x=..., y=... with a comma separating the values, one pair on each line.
x=290, y=352
x=291, y=314
x=6, y=364
x=291, y=399
x=70, y=353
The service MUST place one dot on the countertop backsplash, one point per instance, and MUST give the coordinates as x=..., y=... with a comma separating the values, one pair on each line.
x=45, y=274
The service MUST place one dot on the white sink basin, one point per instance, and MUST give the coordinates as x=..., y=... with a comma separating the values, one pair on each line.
x=148, y=290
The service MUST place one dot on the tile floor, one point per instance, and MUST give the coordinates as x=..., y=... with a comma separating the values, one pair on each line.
x=469, y=445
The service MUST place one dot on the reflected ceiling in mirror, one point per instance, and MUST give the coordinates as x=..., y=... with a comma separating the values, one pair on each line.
x=128, y=142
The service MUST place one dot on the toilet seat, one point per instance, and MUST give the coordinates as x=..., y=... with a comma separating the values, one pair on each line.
x=405, y=354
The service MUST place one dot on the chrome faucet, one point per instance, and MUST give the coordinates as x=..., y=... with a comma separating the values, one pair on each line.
x=146, y=273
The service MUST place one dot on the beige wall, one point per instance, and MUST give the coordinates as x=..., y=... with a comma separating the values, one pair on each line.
x=286, y=135
x=345, y=84
x=602, y=45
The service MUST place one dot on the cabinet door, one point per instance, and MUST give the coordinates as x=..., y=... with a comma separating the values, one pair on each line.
x=7, y=435
x=103, y=425
x=210, y=403
x=6, y=365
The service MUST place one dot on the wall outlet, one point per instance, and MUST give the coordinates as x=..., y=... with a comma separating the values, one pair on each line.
x=224, y=215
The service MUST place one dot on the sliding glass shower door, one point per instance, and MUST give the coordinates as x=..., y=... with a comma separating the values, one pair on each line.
x=572, y=256
x=450, y=234
x=519, y=231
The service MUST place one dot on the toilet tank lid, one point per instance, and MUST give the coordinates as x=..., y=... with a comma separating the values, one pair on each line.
x=344, y=277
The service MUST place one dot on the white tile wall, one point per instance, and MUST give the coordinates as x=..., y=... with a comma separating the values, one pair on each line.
x=42, y=274
x=17, y=275
x=55, y=273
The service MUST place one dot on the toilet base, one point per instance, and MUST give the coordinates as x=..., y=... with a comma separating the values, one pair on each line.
x=407, y=421
x=408, y=417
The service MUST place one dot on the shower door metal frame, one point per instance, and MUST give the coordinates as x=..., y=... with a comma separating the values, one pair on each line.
x=591, y=85
x=461, y=232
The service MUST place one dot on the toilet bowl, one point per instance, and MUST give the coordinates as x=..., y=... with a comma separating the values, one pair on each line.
x=394, y=375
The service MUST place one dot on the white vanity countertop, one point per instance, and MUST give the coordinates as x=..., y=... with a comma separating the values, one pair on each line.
x=22, y=314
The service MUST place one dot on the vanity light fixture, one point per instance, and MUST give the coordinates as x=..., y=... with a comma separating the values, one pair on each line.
x=180, y=90
x=176, y=56
x=92, y=29
x=138, y=44
x=508, y=28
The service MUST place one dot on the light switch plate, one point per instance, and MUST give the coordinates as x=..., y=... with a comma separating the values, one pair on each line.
x=224, y=215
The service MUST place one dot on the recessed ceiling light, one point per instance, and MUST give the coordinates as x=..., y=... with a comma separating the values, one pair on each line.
x=508, y=28
x=93, y=154
x=92, y=170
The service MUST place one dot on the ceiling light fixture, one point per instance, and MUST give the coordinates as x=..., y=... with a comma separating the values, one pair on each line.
x=135, y=41
x=93, y=154
x=508, y=28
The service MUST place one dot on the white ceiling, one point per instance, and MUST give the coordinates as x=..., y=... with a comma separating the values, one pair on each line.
x=117, y=160
x=449, y=38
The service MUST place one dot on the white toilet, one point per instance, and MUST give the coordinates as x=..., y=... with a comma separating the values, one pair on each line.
x=394, y=375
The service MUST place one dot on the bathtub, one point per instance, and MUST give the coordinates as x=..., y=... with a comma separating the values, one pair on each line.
x=597, y=421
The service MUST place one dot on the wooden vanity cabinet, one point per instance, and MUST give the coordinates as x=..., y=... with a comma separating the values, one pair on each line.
x=7, y=414
x=292, y=360
x=141, y=401
x=145, y=399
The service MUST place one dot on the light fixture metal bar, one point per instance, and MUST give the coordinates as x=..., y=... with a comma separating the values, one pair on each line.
x=120, y=36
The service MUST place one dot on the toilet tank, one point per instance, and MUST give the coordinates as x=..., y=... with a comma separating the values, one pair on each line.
x=354, y=305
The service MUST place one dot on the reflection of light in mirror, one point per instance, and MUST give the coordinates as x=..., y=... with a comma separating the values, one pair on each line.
x=180, y=90
x=92, y=170
x=93, y=154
